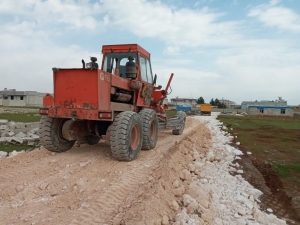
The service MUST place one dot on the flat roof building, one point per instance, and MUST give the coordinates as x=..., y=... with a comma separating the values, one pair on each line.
x=271, y=110
x=12, y=97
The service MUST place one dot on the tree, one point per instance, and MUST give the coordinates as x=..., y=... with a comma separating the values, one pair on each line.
x=200, y=100
x=217, y=103
x=220, y=105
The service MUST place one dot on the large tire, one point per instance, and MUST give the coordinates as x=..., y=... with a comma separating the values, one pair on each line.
x=181, y=115
x=150, y=128
x=126, y=136
x=50, y=135
x=92, y=139
x=107, y=135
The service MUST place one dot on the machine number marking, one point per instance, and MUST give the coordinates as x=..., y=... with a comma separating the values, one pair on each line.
x=105, y=77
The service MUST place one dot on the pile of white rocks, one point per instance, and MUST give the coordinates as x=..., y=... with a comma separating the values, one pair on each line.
x=10, y=154
x=19, y=133
x=214, y=195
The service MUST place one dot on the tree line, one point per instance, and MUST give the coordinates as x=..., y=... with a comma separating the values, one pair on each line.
x=213, y=102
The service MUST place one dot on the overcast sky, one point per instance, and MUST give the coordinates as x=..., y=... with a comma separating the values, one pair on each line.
x=231, y=49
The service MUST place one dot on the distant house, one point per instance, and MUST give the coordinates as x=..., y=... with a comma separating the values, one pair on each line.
x=183, y=101
x=270, y=110
x=297, y=109
x=21, y=98
x=229, y=104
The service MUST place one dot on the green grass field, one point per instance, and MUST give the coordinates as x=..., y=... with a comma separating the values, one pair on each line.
x=21, y=117
x=272, y=139
x=11, y=147
x=171, y=112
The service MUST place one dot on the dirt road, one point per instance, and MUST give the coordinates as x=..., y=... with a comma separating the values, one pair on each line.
x=186, y=179
x=87, y=186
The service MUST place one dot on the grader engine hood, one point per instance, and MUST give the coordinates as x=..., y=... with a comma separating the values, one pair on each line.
x=82, y=89
x=80, y=93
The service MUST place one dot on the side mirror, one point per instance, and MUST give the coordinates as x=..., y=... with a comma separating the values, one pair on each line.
x=154, y=80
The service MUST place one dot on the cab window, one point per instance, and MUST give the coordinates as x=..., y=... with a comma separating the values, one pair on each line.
x=113, y=60
x=146, y=72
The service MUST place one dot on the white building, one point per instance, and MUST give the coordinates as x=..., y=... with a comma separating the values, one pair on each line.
x=227, y=103
x=271, y=110
x=21, y=98
x=183, y=101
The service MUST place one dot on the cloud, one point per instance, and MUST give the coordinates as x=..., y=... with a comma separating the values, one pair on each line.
x=274, y=15
x=172, y=50
x=32, y=70
x=201, y=2
x=259, y=69
x=151, y=19
x=274, y=2
x=29, y=66
x=263, y=72
x=76, y=14
x=177, y=27
x=28, y=41
x=191, y=83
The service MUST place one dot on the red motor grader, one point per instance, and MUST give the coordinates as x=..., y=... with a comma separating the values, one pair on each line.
x=119, y=101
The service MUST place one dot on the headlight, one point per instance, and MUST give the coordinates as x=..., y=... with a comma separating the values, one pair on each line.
x=89, y=65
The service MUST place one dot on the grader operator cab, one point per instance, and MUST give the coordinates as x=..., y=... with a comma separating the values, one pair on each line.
x=119, y=101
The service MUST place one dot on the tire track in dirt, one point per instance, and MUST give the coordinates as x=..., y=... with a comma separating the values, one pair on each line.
x=115, y=197
x=24, y=176
x=108, y=202
x=40, y=181
x=84, y=184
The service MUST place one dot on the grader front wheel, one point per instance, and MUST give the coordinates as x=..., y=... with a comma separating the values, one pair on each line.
x=126, y=136
x=182, y=116
x=50, y=132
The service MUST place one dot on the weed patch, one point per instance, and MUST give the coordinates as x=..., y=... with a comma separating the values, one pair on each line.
x=11, y=147
x=21, y=117
x=171, y=112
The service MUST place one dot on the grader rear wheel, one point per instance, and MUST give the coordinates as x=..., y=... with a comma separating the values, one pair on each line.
x=126, y=136
x=150, y=128
x=50, y=132
x=107, y=135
